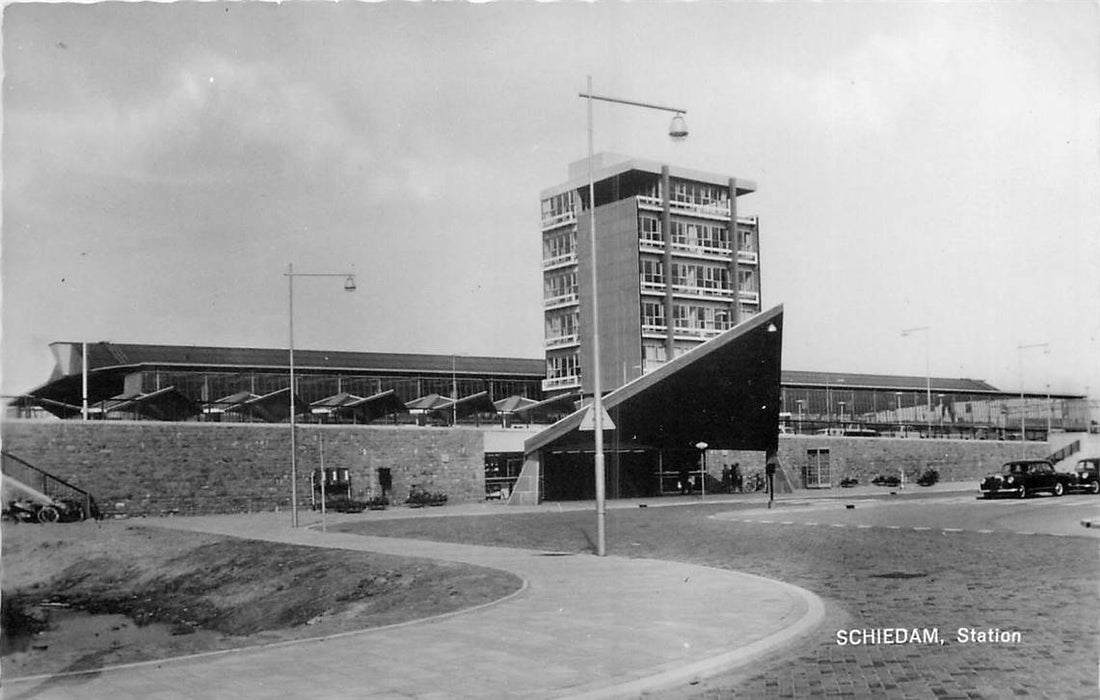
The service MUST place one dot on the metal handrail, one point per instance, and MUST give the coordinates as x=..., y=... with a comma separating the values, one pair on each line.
x=47, y=480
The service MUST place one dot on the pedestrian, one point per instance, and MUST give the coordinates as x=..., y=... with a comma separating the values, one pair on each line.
x=738, y=480
x=685, y=484
x=726, y=478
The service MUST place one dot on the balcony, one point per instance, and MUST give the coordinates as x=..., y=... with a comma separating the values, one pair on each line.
x=701, y=292
x=748, y=257
x=561, y=383
x=562, y=341
x=654, y=329
x=749, y=296
x=695, y=333
x=568, y=217
x=701, y=251
x=560, y=300
x=562, y=260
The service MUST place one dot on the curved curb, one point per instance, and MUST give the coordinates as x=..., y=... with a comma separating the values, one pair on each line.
x=726, y=661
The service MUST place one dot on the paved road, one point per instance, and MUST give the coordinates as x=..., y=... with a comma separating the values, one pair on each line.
x=941, y=563
x=582, y=627
x=946, y=513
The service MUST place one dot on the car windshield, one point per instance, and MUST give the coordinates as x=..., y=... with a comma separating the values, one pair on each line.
x=1014, y=468
x=1086, y=466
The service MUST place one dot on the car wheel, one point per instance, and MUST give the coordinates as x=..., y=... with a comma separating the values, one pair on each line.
x=1095, y=487
x=1022, y=493
x=48, y=514
x=1058, y=489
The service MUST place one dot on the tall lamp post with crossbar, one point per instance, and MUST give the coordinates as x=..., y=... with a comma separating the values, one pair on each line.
x=927, y=369
x=349, y=286
x=677, y=130
x=1023, y=401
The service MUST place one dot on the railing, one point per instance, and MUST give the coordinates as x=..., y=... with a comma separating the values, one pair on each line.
x=709, y=292
x=751, y=297
x=558, y=260
x=562, y=340
x=694, y=332
x=700, y=249
x=748, y=257
x=560, y=382
x=54, y=487
x=1066, y=451
x=568, y=217
x=561, y=300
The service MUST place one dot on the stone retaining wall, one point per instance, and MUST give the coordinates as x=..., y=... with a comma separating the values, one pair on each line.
x=864, y=458
x=152, y=468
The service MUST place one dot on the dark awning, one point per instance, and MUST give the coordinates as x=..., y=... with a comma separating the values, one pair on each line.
x=166, y=404
x=273, y=407
x=474, y=403
x=373, y=407
x=431, y=402
x=724, y=392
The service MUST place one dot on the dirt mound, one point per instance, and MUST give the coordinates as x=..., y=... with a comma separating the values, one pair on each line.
x=247, y=592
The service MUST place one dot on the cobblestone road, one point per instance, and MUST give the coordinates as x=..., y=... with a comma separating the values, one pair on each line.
x=1044, y=587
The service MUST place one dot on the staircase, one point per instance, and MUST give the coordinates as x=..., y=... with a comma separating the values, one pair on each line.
x=1070, y=449
x=23, y=478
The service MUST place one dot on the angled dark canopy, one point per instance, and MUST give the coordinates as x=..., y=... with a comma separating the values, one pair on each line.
x=724, y=392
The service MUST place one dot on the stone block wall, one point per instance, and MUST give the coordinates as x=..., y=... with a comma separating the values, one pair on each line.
x=864, y=458
x=152, y=468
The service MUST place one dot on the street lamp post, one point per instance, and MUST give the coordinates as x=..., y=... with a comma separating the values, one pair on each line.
x=927, y=368
x=349, y=286
x=677, y=130
x=702, y=447
x=1023, y=401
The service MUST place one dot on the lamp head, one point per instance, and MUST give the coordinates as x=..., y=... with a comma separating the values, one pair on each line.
x=349, y=283
x=678, y=129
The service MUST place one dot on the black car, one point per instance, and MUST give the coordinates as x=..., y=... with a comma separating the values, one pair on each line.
x=1086, y=477
x=1025, y=477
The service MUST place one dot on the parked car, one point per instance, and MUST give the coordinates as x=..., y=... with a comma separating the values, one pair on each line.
x=1024, y=477
x=929, y=477
x=1086, y=477
x=886, y=480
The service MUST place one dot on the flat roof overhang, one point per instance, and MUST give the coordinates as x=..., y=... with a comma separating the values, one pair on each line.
x=724, y=392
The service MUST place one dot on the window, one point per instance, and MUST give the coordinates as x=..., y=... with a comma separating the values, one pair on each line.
x=652, y=271
x=746, y=280
x=560, y=285
x=557, y=205
x=651, y=230
x=653, y=313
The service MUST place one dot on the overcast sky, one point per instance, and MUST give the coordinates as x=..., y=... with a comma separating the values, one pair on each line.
x=918, y=164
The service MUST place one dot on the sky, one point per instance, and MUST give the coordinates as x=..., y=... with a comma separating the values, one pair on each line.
x=918, y=164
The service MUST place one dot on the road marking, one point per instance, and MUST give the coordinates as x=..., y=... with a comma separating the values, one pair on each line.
x=986, y=532
x=922, y=528
x=813, y=524
x=864, y=527
x=839, y=525
x=893, y=527
x=787, y=522
x=952, y=529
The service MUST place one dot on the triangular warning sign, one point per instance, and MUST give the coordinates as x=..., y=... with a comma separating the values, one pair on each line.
x=588, y=421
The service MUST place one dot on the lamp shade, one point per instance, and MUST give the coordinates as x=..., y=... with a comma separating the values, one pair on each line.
x=678, y=128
